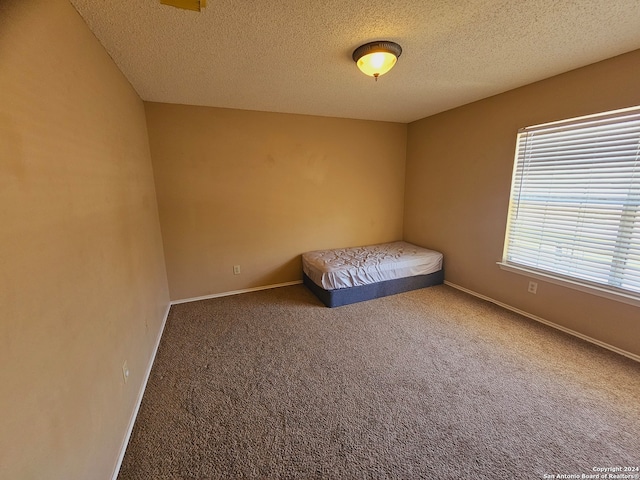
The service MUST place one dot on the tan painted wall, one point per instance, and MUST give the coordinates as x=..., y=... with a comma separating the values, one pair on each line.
x=258, y=189
x=459, y=166
x=82, y=279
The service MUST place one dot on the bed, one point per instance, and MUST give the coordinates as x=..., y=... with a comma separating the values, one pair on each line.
x=349, y=275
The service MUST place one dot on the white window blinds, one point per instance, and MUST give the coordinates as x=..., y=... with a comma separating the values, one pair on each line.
x=575, y=201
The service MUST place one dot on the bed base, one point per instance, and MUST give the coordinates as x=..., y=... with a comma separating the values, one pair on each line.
x=346, y=296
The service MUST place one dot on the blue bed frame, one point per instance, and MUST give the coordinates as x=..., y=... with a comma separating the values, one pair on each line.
x=346, y=296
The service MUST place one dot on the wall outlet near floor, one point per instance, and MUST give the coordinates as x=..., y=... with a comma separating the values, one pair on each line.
x=236, y=269
x=125, y=371
x=533, y=287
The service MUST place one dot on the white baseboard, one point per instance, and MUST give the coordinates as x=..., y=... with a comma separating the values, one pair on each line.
x=134, y=415
x=236, y=292
x=595, y=341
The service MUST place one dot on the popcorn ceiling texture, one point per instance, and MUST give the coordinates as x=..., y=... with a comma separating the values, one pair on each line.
x=295, y=57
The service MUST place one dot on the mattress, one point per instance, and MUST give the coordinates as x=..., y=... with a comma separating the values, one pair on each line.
x=352, y=267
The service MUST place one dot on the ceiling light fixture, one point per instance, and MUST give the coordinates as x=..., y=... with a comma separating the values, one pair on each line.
x=376, y=58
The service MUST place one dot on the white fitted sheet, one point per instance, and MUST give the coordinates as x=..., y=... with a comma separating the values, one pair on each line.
x=351, y=267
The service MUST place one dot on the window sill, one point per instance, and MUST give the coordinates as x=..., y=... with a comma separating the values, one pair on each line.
x=573, y=284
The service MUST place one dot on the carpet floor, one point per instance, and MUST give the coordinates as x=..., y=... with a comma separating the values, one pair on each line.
x=432, y=383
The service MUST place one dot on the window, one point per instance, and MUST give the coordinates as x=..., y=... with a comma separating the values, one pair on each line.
x=574, y=212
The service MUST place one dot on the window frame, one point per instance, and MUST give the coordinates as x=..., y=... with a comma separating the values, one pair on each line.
x=595, y=288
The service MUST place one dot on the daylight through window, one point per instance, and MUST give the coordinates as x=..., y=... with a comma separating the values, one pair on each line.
x=575, y=201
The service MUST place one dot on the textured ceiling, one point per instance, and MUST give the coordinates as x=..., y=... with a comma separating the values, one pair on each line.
x=295, y=56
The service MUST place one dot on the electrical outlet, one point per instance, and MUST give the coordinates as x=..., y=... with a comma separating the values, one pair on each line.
x=533, y=287
x=125, y=371
x=236, y=269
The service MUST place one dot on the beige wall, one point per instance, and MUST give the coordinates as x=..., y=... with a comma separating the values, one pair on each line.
x=258, y=189
x=82, y=280
x=459, y=166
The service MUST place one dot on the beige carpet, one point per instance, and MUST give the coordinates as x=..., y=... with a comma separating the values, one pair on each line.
x=427, y=384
